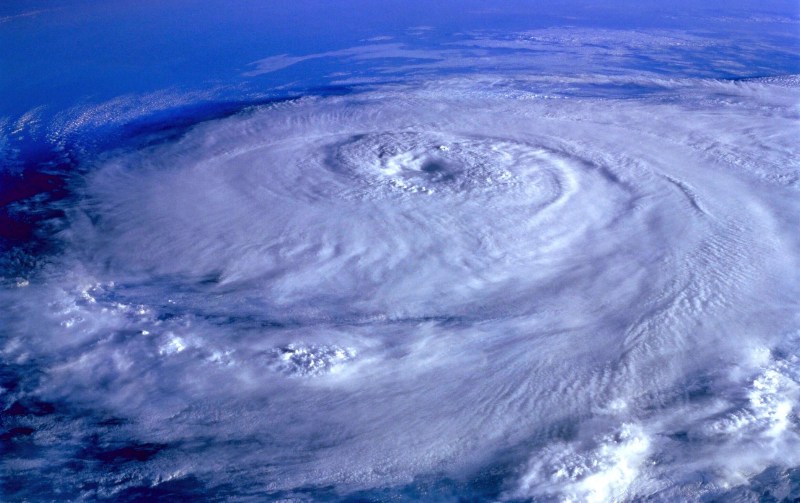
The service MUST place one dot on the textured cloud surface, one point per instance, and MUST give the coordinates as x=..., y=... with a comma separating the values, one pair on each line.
x=482, y=287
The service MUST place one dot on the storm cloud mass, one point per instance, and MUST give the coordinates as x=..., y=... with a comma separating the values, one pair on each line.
x=521, y=282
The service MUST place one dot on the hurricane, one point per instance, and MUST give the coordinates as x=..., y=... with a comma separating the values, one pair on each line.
x=513, y=283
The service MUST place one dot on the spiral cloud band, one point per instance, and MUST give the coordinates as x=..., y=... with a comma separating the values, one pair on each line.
x=470, y=286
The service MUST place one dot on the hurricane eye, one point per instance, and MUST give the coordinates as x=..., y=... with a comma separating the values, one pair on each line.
x=434, y=167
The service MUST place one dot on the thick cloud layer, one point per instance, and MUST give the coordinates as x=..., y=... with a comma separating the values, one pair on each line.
x=523, y=292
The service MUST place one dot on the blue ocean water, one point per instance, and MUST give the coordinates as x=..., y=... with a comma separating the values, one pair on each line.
x=191, y=312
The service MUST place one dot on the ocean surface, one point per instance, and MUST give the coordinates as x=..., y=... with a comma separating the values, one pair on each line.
x=400, y=251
